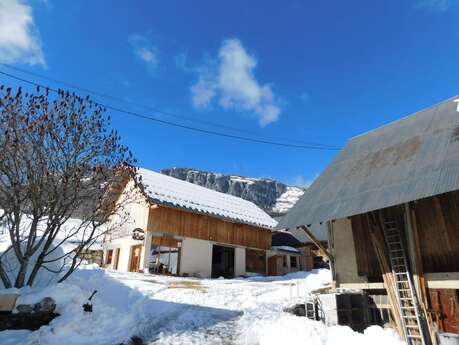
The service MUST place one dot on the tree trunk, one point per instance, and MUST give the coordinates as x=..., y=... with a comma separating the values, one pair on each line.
x=4, y=277
x=20, y=278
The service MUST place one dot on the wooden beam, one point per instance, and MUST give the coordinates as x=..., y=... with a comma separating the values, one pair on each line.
x=419, y=270
x=317, y=242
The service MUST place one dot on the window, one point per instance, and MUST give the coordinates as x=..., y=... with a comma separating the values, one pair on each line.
x=109, y=257
x=284, y=261
x=293, y=262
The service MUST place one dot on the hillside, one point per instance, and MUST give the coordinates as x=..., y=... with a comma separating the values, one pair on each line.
x=274, y=197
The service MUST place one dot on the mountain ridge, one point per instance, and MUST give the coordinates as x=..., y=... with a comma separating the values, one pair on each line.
x=274, y=197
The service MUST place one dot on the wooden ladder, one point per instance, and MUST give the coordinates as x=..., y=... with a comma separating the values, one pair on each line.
x=406, y=295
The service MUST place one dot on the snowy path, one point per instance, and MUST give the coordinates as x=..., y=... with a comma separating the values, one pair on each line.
x=240, y=311
x=169, y=310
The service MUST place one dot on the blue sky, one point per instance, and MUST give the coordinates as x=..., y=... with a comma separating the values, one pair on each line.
x=310, y=71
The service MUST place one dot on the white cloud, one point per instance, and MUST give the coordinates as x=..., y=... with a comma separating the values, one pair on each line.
x=143, y=49
x=231, y=79
x=434, y=5
x=19, y=39
x=203, y=92
x=181, y=63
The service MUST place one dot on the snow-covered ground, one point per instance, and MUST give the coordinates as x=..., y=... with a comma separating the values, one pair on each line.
x=169, y=310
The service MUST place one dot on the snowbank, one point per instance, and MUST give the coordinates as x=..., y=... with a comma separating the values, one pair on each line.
x=118, y=311
x=46, y=277
x=292, y=330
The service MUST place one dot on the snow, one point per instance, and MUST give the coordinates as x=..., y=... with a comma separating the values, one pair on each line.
x=287, y=199
x=286, y=248
x=178, y=193
x=72, y=228
x=171, y=310
x=67, y=228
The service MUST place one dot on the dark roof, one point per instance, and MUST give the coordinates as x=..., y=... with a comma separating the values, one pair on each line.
x=410, y=159
x=283, y=238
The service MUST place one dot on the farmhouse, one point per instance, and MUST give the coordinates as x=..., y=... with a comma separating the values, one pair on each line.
x=293, y=251
x=179, y=228
x=390, y=201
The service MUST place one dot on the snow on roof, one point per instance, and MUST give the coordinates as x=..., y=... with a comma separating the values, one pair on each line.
x=285, y=248
x=173, y=192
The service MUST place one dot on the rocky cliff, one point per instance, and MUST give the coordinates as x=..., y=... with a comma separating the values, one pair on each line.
x=272, y=196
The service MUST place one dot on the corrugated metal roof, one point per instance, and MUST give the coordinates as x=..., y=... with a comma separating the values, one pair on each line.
x=410, y=159
x=176, y=193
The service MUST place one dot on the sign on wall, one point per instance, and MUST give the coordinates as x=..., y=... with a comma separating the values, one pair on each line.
x=138, y=234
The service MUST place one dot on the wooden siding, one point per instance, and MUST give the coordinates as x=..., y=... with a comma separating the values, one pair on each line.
x=437, y=220
x=255, y=261
x=187, y=224
x=445, y=309
x=367, y=262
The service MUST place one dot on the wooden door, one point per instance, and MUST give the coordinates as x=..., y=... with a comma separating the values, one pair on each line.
x=445, y=304
x=255, y=261
x=135, y=258
x=272, y=266
x=117, y=258
x=108, y=259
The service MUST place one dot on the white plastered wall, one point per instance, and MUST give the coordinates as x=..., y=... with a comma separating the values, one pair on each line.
x=196, y=258
x=281, y=268
x=125, y=245
x=344, y=253
x=138, y=210
x=239, y=261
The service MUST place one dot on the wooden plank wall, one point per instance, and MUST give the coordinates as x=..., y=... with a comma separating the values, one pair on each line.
x=255, y=261
x=444, y=305
x=187, y=224
x=367, y=262
x=437, y=220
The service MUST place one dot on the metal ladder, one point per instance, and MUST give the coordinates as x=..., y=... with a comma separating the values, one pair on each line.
x=409, y=309
x=310, y=308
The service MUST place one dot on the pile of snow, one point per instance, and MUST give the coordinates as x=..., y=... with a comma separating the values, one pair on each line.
x=170, y=310
x=60, y=247
x=118, y=311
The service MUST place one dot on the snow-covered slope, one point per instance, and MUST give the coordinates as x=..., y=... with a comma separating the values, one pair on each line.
x=287, y=200
x=272, y=196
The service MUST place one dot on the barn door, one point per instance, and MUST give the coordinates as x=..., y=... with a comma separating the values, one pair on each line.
x=222, y=262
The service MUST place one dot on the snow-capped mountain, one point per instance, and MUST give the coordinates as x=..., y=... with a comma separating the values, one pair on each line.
x=274, y=197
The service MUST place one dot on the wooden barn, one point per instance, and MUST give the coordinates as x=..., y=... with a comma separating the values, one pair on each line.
x=390, y=200
x=179, y=228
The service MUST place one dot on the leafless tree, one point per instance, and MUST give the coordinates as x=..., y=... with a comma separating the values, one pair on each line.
x=58, y=158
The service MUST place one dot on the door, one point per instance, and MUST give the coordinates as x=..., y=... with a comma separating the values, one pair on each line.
x=222, y=262
x=272, y=265
x=135, y=258
x=445, y=305
x=117, y=258
x=255, y=261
